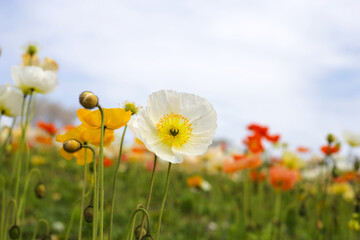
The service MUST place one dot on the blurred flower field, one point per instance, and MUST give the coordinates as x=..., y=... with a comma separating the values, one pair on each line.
x=172, y=182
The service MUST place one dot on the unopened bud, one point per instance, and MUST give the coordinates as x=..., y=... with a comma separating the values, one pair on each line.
x=72, y=145
x=147, y=237
x=356, y=164
x=40, y=190
x=140, y=231
x=89, y=214
x=14, y=232
x=32, y=49
x=330, y=138
x=335, y=172
x=88, y=100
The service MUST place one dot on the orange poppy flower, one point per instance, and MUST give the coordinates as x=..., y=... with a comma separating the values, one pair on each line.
x=282, y=178
x=348, y=177
x=50, y=128
x=303, y=149
x=114, y=118
x=254, y=144
x=330, y=150
x=257, y=176
x=258, y=130
x=84, y=136
x=252, y=161
x=272, y=138
x=108, y=162
x=44, y=140
x=194, y=182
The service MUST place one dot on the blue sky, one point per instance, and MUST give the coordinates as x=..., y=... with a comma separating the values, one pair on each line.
x=291, y=65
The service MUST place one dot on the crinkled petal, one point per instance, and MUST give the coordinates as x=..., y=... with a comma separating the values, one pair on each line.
x=116, y=117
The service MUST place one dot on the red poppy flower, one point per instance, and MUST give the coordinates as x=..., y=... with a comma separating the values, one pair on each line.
x=282, y=178
x=329, y=150
x=257, y=176
x=272, y=138
x=303, y=149
x=50, y=128
x=254, y=144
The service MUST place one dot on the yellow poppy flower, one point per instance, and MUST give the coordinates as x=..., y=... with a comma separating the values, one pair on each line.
x=84, y=136
x=114, y=118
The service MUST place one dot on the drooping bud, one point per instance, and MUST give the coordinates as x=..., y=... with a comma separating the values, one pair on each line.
x=88, y=100
x=140, y=231
x=40, y=190
x=147, y=237
x=330, y=138
x=72, y=145
x=14, y=232
x=335, y=172
x=302, y=210
x=89, y=214
x=356, y=164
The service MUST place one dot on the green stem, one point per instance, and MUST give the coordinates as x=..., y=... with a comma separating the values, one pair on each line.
x=70, y=223
x=14, y=209
x=37, y=227
x=277, y=215
x=23, y=197
x=83, y=196
x=114, y=183
x=101, y=175
x=164, y=200
x=3, y=207
x=3, y=146
x=133, y=219
x=149, y=194
x=96, y=205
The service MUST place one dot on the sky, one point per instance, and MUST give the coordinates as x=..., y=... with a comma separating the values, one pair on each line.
x=291, y=65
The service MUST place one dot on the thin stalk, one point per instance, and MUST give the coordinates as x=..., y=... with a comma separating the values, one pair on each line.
x=164, y=200
x=37, y=227
x=96, y=205
x=101, y=175
x=3, y=146
x=149, y=194
x=133, y=219
x=14, y=209
x=3, y=206
x=114, y=183
x=83, y=196
x=70, y=223
x=277, y=214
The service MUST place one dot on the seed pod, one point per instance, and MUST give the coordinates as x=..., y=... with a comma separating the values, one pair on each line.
x=88, y=100
x=89, y=214
x=40, y=190
x=72, y=146
x=14, y=232
x=140, y=231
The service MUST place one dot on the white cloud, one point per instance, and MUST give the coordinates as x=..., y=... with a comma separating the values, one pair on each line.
x=254, y=61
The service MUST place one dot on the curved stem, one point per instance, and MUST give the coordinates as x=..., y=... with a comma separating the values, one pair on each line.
x=95, y=196
x=83, y=197
x=114, y=183
x=23, y=197
x=149, y=194
x=37, y=227
x=132, y=221
x=164, y=200
x=101, y=175
x=14, y=209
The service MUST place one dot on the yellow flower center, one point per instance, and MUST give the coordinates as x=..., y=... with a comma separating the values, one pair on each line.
x=174, y=130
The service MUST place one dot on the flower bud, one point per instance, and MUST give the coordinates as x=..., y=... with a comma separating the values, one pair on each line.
x=32, y=49
x=72, y=146
x=14, y=232
x=356, y=164
x=335, y=172
x=147, y=237
x=88, y=100
x=330, y=138
x=40, y=190
x=140, y=231
x=89, y=214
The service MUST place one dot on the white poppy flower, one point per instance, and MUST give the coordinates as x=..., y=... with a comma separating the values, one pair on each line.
x=33, y=78
x=10, y=101
x=175, y=124
x=352, y=139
